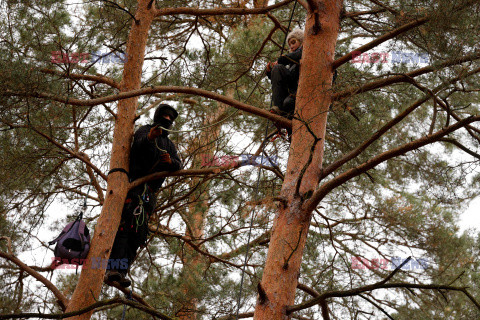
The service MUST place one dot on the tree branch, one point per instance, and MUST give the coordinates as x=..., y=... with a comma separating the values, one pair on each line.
x=262, y=239
x=406, y=27
x=116, y=5
x=461, y=146
x=211, y=257
x=76, y=76
x=360, y=13
x=391, y=10
x=376, y=306
x=188, y=172
x=357, y=291
x=158, y=89
x=240, y=316
x=111, y=302
x=93, y=179
x=61, y=299
x=321, y=192
x=219, y=11
x=74, y=154
x=402, y=78
x=314, y=293
x=352, y=154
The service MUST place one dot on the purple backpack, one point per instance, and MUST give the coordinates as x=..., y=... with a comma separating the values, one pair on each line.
x=73, y=242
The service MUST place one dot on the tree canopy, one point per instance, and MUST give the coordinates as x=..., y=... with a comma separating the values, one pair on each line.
x=380, y=165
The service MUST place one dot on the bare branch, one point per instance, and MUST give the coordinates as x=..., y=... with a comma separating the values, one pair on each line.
x=361, y=13
x=260, y=240
x=307, y=289
x=321, y=192
x=93, y=179
x=239, y=316
x=158, y=89
x=352, y=154
x=376, y=286
x=390, y=9
x=376, y=306
x=406, y=27
x=74, y=154
x=219, y=11
x=111, y=302
x=62, y=300
x=211, y=257
x=403, y=78
x=116, y=5
x=462, y=147
x=76, y=76
x=186, y=172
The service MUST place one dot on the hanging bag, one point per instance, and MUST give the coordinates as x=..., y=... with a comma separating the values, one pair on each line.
x=73, y=243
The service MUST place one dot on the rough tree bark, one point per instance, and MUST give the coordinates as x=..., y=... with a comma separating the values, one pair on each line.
x=91, y=280
x=279, y=281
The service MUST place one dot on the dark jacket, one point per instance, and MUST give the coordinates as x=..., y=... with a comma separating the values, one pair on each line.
x=144, y=156
x=292, y=62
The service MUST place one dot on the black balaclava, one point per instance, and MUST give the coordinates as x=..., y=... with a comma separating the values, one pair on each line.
x=164, y=109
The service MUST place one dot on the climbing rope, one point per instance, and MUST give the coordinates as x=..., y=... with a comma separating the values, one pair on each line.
x=84, y=207
x=156, y=145
x=139, y=211
x=128, y=296
x=258, y=184
x=81, y=212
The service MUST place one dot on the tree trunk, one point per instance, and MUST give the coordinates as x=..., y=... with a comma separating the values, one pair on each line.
x=91, y=280
x=279, y=281
x=194, y=263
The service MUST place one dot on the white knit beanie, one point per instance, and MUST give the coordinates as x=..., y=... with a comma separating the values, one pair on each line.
x=297, y=34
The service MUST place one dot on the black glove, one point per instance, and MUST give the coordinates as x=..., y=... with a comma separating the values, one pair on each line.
x=165, y=158
x=154, y=133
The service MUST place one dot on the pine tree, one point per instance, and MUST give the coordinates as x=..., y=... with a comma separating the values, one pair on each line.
x=380, y=165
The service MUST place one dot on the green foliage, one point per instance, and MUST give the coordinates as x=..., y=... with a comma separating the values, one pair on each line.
x=409, y=205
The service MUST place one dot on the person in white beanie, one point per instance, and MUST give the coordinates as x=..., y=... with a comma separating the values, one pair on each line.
x=284, y=74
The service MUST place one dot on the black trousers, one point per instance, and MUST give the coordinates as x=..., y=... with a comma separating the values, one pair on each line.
x=133, y=230
x=284, y=89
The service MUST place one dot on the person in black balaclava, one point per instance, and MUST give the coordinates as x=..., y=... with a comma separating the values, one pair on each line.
x=152, y=151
